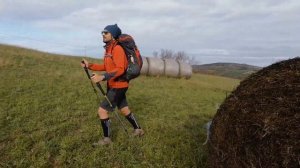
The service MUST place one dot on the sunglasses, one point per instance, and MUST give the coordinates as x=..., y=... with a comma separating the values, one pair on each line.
x=104, y=32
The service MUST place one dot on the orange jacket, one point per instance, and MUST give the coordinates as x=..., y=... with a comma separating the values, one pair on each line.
x=115, y=64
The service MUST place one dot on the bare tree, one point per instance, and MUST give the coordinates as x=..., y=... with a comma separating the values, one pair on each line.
x=166, y=54
x=179, y=56
x=155, y=54
x=193, y=61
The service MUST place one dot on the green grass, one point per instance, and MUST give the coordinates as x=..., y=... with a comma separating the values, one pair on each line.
x=48, y=116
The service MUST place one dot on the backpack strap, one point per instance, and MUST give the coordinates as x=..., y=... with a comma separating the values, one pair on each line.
x=121, y=78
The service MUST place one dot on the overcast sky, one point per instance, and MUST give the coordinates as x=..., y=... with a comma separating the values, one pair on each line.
x=257, y=32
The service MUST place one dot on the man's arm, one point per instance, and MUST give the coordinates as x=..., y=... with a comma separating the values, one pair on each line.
x=96, y=67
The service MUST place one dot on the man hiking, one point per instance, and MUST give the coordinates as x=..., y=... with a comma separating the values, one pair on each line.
x=115, y=64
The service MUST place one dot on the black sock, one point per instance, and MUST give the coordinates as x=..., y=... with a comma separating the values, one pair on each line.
x=132, y=121
x=105, y=123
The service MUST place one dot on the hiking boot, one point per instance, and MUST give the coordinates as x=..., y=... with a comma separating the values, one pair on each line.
x=138, y=132
x=103, y=142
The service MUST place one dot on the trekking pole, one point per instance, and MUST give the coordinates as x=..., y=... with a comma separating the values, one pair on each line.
x=104, y=94
x=88, y=74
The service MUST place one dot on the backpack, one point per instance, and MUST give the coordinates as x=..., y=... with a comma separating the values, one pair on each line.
x=134, y=58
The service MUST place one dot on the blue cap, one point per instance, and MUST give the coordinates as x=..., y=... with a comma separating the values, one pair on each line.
x=114, y=30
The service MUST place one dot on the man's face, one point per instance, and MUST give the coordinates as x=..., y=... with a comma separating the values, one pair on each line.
x=107, y=37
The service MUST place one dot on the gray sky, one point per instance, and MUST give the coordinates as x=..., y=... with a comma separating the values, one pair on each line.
x=257, y=32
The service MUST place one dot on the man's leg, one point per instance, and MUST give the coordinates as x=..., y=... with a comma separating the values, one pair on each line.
x=105, y=124
x=105, y=121
x=104, y=118
x=130, y=117
x=123, y=107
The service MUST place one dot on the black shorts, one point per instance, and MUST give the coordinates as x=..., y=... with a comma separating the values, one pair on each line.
x=117, y=97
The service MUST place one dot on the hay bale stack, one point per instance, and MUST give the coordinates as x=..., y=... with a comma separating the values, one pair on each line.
x=145, y=67
x=258, y=125
x=168, y=67
x=185, y=70
x=171, y=68
x=156, y=66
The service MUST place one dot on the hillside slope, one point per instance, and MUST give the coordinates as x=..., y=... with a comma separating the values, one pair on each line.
x=232, y=70
x=48, y=116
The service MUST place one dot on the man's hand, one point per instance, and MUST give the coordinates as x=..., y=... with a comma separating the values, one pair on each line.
x=97, y=78
x=86, y=63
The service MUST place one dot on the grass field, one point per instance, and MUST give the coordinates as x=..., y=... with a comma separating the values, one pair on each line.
x=48, y=116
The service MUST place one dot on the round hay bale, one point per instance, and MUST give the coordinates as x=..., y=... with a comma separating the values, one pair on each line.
x=156, y=66
x=145, y=67
x=185, y=70
x=171, y=68
x=258, y=125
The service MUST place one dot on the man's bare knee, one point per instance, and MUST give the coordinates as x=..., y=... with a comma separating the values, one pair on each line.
x=103, y=114
x=125, y=110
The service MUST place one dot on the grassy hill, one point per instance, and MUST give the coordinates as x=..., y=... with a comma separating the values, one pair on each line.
x=232, y=70
x=48, y=116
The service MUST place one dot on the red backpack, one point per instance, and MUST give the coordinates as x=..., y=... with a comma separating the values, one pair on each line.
x=135, y=61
